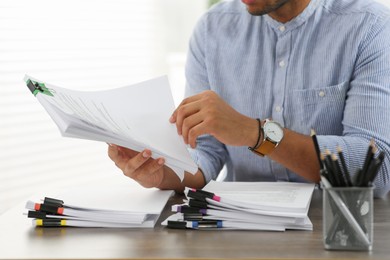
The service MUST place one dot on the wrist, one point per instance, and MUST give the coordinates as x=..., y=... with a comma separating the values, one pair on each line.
x=255, y=135
x=272, y=134
x=169, y=180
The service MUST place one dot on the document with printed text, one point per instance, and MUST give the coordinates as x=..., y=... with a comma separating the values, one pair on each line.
x=272, y=206
x=118, y=205
x=135, y=116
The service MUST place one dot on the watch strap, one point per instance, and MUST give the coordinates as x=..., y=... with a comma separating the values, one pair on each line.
x=265, y=148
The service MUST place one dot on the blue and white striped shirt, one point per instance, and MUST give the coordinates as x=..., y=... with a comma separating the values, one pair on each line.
x=327, y=69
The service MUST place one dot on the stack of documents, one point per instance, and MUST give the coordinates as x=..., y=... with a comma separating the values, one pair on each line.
x=118, y=207
x=135, y=116
x=273, y=206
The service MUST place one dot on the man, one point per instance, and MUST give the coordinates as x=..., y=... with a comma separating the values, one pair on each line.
x=294, y=65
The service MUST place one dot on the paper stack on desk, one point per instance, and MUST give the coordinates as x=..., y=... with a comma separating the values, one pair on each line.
x=273, y=206
x=118, y=207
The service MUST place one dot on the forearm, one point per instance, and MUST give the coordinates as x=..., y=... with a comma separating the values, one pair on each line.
x=172, y=182
x=296, y=152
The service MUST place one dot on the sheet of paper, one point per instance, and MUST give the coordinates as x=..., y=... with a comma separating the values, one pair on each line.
x=250, y=205
x=288, y=196
x=117, y=198
x=282, y=213
x=135, y=116
x=82, y=223
x=233, y=225
x=118, y=203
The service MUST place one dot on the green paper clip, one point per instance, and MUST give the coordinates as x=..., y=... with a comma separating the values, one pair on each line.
x=37, y=87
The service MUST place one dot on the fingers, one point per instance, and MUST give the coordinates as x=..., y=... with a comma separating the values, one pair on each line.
x=141, y=167
x=194, y=132
x=191, y=114
x=183, y=112
x=126, y=151
x=185, y=102
x=189, y=127
x=117, y=156
x=188, y=113
x=136, y=162
x=149, y=174
x=121, y=155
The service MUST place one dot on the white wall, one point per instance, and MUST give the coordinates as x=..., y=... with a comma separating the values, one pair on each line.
x=385, y=2
x=89, y=44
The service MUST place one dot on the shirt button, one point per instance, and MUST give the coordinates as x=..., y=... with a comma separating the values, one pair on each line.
x=282, y=28
x=282, y=63
x=321, y=93
x=278, y=109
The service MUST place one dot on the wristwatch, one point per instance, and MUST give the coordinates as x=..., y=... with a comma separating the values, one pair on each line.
x=272, y=133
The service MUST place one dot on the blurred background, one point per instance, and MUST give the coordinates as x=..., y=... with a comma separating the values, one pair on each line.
x=84, y=45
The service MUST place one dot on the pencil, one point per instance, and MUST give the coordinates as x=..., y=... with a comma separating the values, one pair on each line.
x=375, y=169
x=316, y=146
x=324, y=172
x=344, y=166
x=338, y=172
x=330, y=169
x=369, y=156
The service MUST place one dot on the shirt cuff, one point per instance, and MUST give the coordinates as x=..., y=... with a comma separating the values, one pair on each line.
x=206, y=166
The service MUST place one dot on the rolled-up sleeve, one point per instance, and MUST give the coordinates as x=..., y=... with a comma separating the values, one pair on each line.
x=210, y=154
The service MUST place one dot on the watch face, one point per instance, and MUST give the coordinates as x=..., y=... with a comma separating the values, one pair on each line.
x=273, y=131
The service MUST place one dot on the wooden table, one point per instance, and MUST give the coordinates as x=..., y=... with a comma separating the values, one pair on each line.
x=18, y=240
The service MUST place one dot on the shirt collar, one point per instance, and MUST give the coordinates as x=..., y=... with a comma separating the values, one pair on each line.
x=281, y=28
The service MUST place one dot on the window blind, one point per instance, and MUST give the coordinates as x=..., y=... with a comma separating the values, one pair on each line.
x=84, y=45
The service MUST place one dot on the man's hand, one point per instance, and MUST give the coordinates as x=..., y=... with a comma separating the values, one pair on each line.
x=139, y=166
x=151, y=172
x=207, y=113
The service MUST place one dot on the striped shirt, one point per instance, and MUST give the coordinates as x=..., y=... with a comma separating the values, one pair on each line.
x=327, y=69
